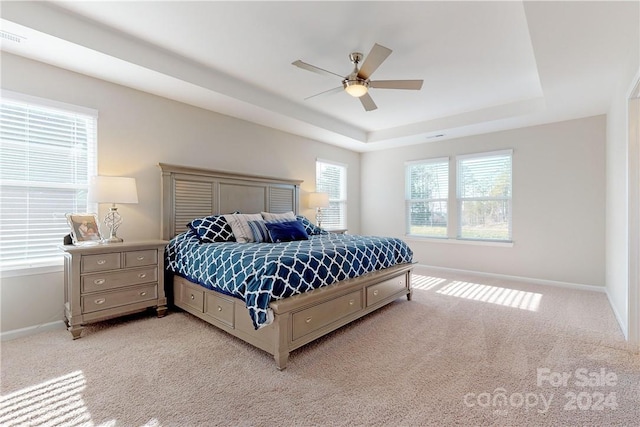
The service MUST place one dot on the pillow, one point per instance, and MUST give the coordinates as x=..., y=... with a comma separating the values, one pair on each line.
x=214, y=228
x=259, y=231
x=240, y=226
x=309, y=227
x=286, y=231
x=287, y=216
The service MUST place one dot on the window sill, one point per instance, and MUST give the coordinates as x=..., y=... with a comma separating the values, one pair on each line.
x=31, y=270
x=446, y=240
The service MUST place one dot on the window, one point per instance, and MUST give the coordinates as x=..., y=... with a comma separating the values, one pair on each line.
x=47, y=154
x=427, y=197
x=331, y=178
x=482, y=208
x=484, y=196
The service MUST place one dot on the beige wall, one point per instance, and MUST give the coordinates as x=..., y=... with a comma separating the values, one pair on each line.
x=558, y=202
x=136, y=131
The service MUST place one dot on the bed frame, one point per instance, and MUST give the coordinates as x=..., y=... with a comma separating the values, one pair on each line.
x=189, y=193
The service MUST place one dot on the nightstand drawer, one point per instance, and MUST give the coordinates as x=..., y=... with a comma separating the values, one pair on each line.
x=117, y=279
x=139, y=258
x=100, y=262
x=106, y=300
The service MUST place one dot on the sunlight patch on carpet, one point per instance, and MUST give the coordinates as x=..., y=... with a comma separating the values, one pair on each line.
x=57, y=402
x=425, y=282
x=493, y=295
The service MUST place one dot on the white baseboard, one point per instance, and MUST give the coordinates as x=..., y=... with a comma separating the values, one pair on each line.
x=619, y=318
x=31, y=330
x=545, y=282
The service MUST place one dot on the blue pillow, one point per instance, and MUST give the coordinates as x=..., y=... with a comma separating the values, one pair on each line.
x=309, y=227
x=286, y=231
x=259, y=231
x=214, y=228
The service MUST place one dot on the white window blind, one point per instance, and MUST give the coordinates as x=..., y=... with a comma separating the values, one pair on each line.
x=427, y=197
x=484, y=196
x=47, y=154
x=331, y=178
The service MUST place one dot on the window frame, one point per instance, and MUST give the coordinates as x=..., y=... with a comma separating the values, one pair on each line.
x=51, y=262
x=342, y=201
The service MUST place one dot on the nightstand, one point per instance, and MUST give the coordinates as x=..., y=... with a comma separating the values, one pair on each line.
x=338, y=231
x=110, y=280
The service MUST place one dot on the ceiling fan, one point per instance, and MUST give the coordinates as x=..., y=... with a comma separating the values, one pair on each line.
x=357, y=83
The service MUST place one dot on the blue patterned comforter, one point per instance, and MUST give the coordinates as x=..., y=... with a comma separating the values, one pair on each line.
x=262, y=272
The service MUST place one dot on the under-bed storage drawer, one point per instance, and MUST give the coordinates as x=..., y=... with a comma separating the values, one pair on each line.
x=381, y=291
x=219, y=308
x=311, y=319
x=193, y=297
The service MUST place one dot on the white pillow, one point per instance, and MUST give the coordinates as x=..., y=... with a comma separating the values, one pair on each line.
x=240, y=226
x=287, y=216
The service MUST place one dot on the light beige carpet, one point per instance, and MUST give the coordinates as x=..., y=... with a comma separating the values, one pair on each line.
x=465, y=351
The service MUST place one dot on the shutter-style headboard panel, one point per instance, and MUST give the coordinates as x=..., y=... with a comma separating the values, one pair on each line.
x=189, y=193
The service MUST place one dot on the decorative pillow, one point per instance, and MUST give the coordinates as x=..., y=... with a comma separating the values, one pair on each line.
x=272, y=217
x=259, y=231
x=311, y=228
x=286, y=231
x=240, y=226
x=214, y=228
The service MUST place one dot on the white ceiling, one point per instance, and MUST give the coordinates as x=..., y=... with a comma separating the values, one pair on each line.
x=486, y=66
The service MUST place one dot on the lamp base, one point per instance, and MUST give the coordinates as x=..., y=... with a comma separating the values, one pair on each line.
x=112, y=239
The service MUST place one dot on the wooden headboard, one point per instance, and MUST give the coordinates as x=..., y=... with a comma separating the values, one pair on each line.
x=189, y=193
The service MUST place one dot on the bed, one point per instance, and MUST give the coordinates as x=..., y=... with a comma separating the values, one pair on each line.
x=275, y=296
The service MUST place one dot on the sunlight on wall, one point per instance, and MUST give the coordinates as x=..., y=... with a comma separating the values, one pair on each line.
x=493, y=295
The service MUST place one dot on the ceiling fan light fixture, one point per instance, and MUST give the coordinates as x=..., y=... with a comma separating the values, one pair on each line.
x=356, y=88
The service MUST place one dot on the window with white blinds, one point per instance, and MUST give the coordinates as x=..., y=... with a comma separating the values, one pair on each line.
x=427, y=197
x=331, y=178
x=47, y=154
x=484, y=196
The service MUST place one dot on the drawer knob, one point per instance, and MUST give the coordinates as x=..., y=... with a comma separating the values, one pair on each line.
x=219, y=308
x=143, y=293
x=99, y=281
x=193, y=297
x=101, y=261
x=351, y=302
x=142, y=275
x=100, y=301
x=375, y=292
x=140, y=258
x=307, y=320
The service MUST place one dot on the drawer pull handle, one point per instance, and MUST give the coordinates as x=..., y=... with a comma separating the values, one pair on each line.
x=142, y=275
x=101, y=261
x=219, y=308
x=351, y=302
x=143, y=293
x=99, y=281
x=193, y=297
x=307, y=320
x=375, y=293
x=140, y=258
x=100, y=301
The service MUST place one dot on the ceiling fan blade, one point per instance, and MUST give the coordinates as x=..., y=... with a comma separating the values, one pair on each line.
x=315, y=69
x=326, y=92
x=367, y=102
x=373, y=60
x=396, y=84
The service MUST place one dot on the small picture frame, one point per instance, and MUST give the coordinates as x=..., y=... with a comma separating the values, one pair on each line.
x=84, y=228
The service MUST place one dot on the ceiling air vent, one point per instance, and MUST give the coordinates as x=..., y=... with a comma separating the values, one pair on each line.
x=11, y=37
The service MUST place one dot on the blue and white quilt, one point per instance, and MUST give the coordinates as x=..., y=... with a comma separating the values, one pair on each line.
x=259, y=273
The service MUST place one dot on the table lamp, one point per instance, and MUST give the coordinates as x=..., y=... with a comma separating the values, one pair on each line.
x=318, y=201
x=113, y=189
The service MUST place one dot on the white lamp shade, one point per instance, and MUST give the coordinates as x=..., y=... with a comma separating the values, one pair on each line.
x=113, y=189
x=318, y=200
